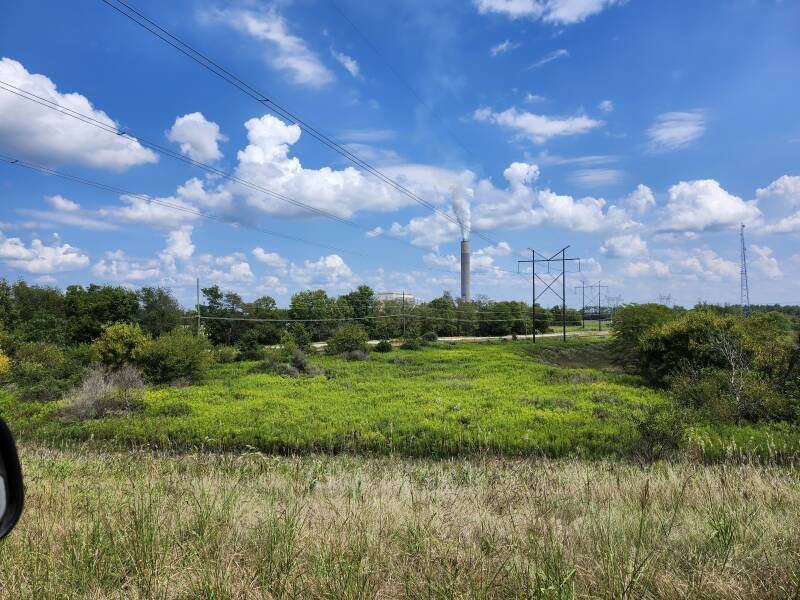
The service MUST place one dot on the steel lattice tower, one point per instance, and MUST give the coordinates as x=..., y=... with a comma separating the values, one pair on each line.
x=745, y=288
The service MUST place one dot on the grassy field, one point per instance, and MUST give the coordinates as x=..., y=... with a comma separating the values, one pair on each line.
x=146, y=525
x=451, y=399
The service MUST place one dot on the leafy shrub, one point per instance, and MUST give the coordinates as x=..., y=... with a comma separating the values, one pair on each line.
x=687, y=340
x=5, y=366
x=383, y=346
x=226, y=354
x=629, y=324
x=278, y=363
x=348, y=338
x=429, y=337
x=412, y=343
x=250, y=346
x=659, y=433
x=101, y=393
x=40, y=372
x=748, y=395
x=120, y=344
x=355, y=355
x=175, y=355
x=300, y=335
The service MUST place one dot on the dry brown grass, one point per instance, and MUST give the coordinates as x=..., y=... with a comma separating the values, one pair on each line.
x=103, y=525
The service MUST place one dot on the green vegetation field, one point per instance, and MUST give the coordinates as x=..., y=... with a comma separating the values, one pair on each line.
x=448, y=399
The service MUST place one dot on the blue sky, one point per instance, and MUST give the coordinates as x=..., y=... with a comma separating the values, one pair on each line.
x=641, y=133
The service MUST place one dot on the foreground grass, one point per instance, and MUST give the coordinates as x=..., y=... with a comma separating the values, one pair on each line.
x=148, y=525
x=513, y=398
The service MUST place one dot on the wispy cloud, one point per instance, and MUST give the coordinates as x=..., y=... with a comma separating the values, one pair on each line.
x=537, y=128
x=348, y=62
x=503, y=47
x=589, y=178
x=287, y=52
x=550, y=57
x=558, y=12
x=676, y=130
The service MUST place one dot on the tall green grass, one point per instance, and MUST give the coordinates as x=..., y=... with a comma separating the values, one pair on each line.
x=449, y=399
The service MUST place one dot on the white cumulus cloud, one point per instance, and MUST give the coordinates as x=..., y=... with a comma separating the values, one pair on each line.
x=39, y=257
x=785, y=188
x=640, y=199
x=32, y=131
x=198, y=137
x=704, y=205
x=624, y=246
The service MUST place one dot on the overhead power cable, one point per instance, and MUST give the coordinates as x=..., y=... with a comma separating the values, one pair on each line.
x=113, y=130
x=127, y=134
x=185, y=209
x=145, y=22
x=400, y=78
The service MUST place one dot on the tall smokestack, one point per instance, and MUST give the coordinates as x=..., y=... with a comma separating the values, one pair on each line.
x=465, y=270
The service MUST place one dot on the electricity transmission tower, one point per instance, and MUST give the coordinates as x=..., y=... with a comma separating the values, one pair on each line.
x=599, y=287
x=665, y=299
x=743, y=284
x=562, y=275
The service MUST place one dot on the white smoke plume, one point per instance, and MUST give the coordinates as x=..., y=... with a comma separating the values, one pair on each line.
x=461, y=207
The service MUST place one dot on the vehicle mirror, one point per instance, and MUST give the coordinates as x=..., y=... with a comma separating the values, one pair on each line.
x=12, y=494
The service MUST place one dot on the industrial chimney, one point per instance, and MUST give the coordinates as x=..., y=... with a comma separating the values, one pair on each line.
x=465, y=270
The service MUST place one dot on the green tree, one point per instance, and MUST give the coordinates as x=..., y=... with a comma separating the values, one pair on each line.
x=159, y=311
x=630, y=323
x=90, y=309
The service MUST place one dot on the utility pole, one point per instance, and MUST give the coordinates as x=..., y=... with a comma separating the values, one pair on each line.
x=583, y=303
x=404, y=313
x=198, y=307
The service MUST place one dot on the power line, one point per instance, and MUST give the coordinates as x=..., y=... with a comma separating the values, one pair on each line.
x=122, y=192
x=112, y=130
x=163, y=34
x=399, y=77
x=210, y=216
x=91, y=121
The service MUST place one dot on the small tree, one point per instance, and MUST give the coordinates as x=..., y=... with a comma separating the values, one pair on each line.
x=348, y=338
x=120, y=344
x=176, y=355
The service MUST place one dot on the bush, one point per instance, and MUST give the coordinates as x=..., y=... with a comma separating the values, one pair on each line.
x=429, y=337
x=383, y=346
x=412, y=343
x=355, y=355
x=120, y=344
x=629, y=324
x=226, y=354
x=348, y=338
x=40, y=371
x=5, y=366
x=293, y=365
x=176, y=355
x=690, y=340
x=101, y=394
x=748, y=396
x=250, y=346
x=660, y=433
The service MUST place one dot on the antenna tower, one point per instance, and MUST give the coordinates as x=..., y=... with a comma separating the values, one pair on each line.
x=745, y=288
